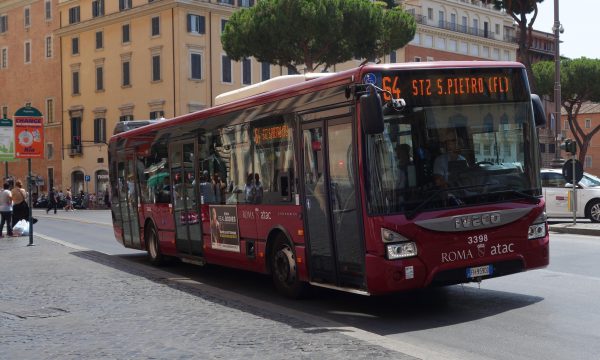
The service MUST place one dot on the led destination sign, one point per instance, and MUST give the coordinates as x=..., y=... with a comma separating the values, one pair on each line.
x=454, y=86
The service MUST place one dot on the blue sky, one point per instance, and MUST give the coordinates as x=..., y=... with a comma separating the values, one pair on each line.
x=579, y=18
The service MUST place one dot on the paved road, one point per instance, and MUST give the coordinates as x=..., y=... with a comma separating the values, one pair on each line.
x=64, y=302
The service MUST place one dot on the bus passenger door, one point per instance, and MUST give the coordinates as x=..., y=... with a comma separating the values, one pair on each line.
x=333, y=233
x=128, y=200
x=188, y=225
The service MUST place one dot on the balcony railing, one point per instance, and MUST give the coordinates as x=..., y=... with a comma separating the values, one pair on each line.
x=453, y=26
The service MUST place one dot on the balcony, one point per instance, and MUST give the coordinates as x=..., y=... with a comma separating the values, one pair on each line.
x=75, y=150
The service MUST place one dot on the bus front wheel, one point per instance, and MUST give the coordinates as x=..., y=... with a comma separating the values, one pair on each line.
x=284, y=269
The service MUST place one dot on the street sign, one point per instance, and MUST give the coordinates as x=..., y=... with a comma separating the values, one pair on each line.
x=29, y=133
x=87, y=178
x=567, y=171
x=7, y=140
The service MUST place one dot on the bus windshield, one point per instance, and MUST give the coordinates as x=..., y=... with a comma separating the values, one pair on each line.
x=440, y=157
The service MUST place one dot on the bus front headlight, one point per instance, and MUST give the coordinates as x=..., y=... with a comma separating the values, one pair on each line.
x=401, y=250
x=538, y=229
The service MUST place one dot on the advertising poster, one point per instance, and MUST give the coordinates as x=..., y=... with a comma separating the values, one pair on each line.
x=29, y=133
x=224, y=232
x=7, y=140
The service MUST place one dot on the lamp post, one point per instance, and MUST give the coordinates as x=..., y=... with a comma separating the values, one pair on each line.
x=557, y=29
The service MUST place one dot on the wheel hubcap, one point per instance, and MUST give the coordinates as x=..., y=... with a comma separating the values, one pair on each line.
x=595, y=212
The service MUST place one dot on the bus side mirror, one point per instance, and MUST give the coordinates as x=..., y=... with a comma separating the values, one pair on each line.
x=371, y=114
x=538, y=111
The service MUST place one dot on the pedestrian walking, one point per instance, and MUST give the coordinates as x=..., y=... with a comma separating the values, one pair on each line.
x=69, y=201
x=6, y=209
x=52, y=200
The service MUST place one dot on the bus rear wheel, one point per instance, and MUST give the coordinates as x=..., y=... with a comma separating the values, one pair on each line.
x=284, y=269
x=153, y=247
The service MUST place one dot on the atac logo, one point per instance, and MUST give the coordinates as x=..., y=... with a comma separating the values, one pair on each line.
x=481, y=250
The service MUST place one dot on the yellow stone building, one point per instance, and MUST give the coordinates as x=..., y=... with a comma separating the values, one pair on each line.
x=139, y=59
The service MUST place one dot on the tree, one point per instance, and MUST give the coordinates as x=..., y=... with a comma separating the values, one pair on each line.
x=518, y=10
x=315, y=33
x=580, y=83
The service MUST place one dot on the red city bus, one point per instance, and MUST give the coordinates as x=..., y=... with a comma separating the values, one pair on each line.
x=379, y=179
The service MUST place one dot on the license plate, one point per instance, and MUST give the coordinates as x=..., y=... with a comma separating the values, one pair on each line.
x=479, y=271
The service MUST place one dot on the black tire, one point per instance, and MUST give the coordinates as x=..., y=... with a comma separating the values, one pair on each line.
x=284, y=269
x=153, y=248
x=593, y=211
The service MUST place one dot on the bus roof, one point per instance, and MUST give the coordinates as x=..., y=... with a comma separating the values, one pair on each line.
x=293, y=85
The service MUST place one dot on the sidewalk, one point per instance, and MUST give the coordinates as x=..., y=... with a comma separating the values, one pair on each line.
x=60, y=302
x=592, y=229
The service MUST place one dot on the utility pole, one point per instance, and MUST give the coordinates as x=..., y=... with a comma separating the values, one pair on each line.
x=557, y=29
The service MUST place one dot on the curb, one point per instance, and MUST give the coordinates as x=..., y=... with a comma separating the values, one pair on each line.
x=573, y=229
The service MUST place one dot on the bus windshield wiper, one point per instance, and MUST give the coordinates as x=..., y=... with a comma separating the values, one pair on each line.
x=524, y=195
x=414, y=212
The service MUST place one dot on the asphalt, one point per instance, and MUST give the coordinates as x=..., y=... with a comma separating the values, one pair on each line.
x=62, y=301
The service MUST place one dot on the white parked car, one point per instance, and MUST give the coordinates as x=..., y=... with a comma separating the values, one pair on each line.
x=556, y=194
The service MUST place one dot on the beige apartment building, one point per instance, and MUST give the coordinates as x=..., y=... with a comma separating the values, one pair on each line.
x=30, y=75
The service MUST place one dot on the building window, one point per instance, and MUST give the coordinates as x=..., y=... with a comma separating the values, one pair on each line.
x=75, y=135
x=125, y=117
x=588, y=123
x=48, y=46
x=3, y=23
x=27, y=52
x=246, y=71
x=497, y=29
x=74, y=16
x=225, y=69
x=126, y=80
x=48, y=9
x=4, y=111
x=429, y=13
x=75, y=46
x=75, y=80
x=551, y=148
x=49, y=111
x=124, y=4
x=4, y=58
x=265, y=71
x=155, y=26
x=156, y=114
x=49, y=151
x=155, y=67
x=99, y=78
x=97, y=8
x=588, y=161
x=223, y=23
x=100, y=131
x=542, y=147
x=27, y=17
x=195, y=66
x=99, y=40
x=125, y=31
x=393, y=57
x=245, y=3
x=417, y=59
x=196, y=24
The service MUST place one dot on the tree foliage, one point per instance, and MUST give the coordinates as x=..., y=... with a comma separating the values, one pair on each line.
x=518, y=10
x=315, y=33
x=580, y=83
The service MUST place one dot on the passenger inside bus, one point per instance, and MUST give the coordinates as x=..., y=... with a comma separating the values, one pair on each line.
x=440, y=165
